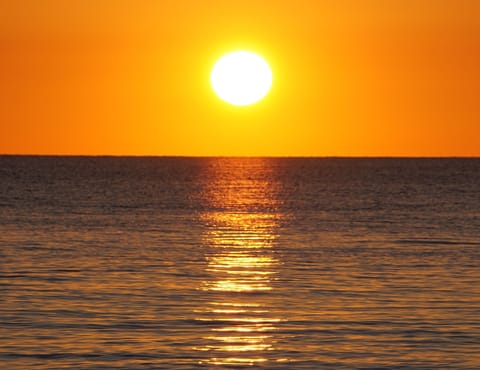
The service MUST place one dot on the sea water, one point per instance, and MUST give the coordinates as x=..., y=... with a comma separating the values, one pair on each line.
x=275, y=263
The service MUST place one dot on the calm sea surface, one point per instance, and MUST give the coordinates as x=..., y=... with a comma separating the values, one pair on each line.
x=181, y=263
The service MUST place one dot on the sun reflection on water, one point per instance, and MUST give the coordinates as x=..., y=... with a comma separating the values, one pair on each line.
x=241, y=268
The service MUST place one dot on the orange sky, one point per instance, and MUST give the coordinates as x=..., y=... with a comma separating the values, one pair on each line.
x=351, y=78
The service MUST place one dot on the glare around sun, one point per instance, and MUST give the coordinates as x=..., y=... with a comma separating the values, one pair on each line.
x=241, y=78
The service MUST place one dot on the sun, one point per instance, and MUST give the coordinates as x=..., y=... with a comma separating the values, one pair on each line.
x=241, y=78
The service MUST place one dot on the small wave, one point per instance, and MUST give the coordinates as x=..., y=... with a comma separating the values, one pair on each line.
x=435, y=242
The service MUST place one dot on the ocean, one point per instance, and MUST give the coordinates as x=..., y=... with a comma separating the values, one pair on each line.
x=271, y=263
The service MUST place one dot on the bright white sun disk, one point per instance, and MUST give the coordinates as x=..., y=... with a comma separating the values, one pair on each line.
x=241, y=78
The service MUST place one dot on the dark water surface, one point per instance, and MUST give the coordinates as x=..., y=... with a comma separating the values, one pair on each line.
x=179, y=263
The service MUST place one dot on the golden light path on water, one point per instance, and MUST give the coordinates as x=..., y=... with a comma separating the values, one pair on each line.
x=241, y=265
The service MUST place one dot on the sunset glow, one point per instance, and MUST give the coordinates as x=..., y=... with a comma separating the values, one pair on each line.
x=353, y=79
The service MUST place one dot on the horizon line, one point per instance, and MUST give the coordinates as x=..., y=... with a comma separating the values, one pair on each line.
x=244, y=156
